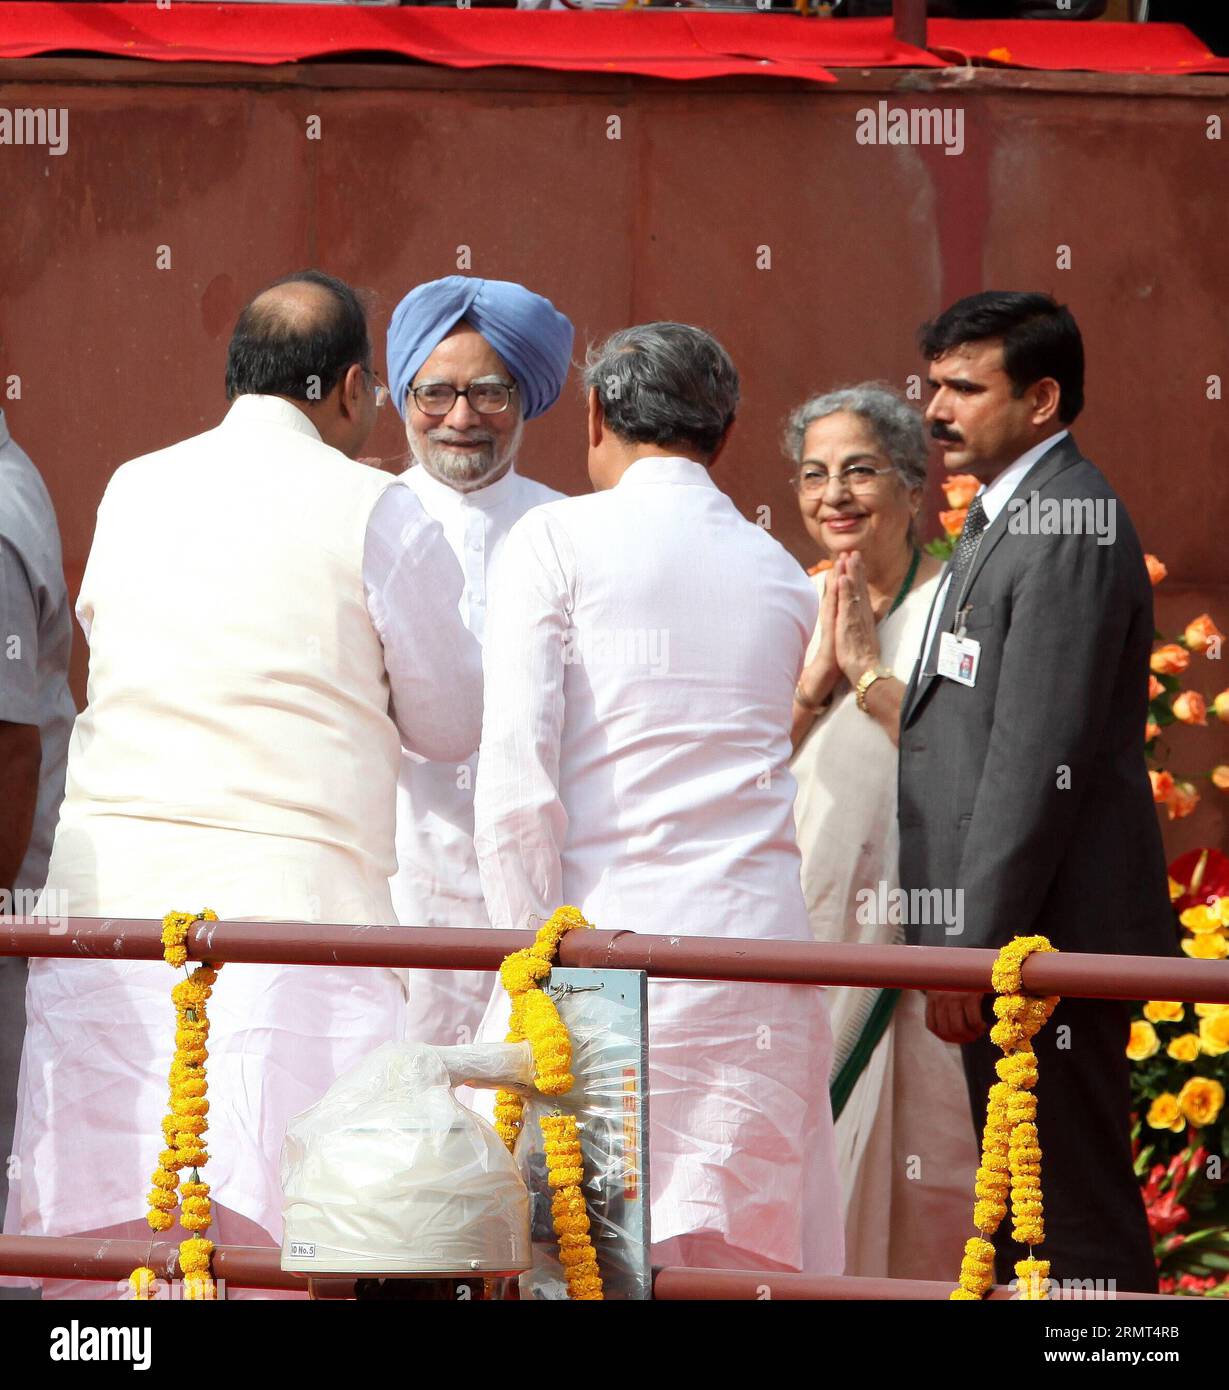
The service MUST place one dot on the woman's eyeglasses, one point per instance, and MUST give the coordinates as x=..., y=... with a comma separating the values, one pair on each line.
x=813, y=479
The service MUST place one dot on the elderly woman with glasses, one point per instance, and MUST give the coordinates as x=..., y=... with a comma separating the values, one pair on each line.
x=903, y=1142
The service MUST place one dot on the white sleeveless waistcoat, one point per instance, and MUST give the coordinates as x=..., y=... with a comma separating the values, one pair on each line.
x=237, y=753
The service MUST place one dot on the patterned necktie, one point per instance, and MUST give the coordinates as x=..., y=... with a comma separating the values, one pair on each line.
x=962, y=558
x=967, y=543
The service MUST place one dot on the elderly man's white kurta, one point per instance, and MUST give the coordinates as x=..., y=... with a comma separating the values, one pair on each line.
x=640, y=659
x=437, y=883
x=265, y=618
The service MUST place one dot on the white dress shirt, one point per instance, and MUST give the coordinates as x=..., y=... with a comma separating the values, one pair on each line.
x=993, y=499
x=437, y=883
x=639, y=666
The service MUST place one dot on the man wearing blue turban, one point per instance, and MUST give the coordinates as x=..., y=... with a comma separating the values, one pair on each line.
x=469, y=361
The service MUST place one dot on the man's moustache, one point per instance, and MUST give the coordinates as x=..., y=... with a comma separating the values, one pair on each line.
x=939, y=431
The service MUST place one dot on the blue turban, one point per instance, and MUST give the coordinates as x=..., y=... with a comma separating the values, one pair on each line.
x=532, y=337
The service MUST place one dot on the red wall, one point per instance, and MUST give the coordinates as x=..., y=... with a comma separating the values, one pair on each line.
x=117, y=357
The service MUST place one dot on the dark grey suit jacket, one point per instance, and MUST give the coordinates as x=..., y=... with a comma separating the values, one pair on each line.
x=1029, y=791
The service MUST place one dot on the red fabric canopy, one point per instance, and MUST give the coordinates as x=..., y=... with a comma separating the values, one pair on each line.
x=1074, y=45
x=656, y=43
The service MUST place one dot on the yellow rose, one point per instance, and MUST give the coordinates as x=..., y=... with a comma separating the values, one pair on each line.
x=1143, y=1041
x=1212, y=946
x=1214, y=1034
x=1163, y=1011
x=1201, y=919
x=1163, y=1113
x=1200, y=1100
x=1211, y=1010
x=1184, y=1048
x=1175, y=890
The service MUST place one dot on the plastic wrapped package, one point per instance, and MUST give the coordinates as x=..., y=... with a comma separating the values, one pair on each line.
x=604, y=1011
x=388, y=1173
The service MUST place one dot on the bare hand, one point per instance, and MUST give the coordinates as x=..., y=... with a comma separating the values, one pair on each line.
x=956, y=1018
x=857, y=642
x=822, y=672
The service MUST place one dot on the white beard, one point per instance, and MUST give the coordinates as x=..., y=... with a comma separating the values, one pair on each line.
x=462, y=469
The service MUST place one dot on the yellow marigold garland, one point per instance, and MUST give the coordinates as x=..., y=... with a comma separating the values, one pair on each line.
x=536, y=1019
x=186, y=1121
x=1011, y=1156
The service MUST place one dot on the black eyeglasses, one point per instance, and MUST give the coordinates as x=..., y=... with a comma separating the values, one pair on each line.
x=381, y=391
x=486, y=397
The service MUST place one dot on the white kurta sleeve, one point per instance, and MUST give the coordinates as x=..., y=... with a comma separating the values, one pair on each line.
x=519, y=821
x=434, y=663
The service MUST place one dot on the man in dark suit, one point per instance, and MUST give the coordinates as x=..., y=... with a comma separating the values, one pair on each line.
x=1022, y=780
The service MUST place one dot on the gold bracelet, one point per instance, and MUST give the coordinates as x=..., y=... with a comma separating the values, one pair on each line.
x=866, y=680
x=804, y=703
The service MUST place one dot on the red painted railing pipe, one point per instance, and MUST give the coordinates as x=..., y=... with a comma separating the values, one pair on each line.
x=87, y=1257
x=259, y=1267
x=662, y=956
x=680, y=1285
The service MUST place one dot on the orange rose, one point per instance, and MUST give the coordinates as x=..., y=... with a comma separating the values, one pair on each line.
x=1156, y=570
x=1151, y=730
x=1200, y=1100
x=1162, y=786
x=1155, y=688
x=1220, y=777
x=1189, y=707
x=960, y=489
x=1164, y=1113
x=1170, y=660
x=953, y=521
x=1221, y=705
x=1201, y=633
x=1182, y=800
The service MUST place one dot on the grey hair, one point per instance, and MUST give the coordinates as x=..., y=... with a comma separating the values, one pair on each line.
x=664, y=383
x=897, y=426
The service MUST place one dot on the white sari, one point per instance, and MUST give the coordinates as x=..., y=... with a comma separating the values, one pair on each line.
x=904, y=1139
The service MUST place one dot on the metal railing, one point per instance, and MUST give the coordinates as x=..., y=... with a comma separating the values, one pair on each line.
x=660, y=956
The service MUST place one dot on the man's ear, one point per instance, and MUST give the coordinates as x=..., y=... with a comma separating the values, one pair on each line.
x=1047, y=395
x=597, y=420
x=721, y=443
x=350, y=391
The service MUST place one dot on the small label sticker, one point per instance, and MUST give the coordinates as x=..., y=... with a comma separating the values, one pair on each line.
x=300, y=1249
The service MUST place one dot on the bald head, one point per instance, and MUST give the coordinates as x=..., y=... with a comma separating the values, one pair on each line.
x=297, y=339
x=305, y=339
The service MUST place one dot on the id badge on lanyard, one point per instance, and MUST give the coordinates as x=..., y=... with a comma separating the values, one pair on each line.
x=958, y=654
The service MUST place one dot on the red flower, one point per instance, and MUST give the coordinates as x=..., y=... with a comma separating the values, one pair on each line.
x=1213, y=881
x=1166, y=1214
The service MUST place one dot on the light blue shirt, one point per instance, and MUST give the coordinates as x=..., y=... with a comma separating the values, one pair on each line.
x=35, y=639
